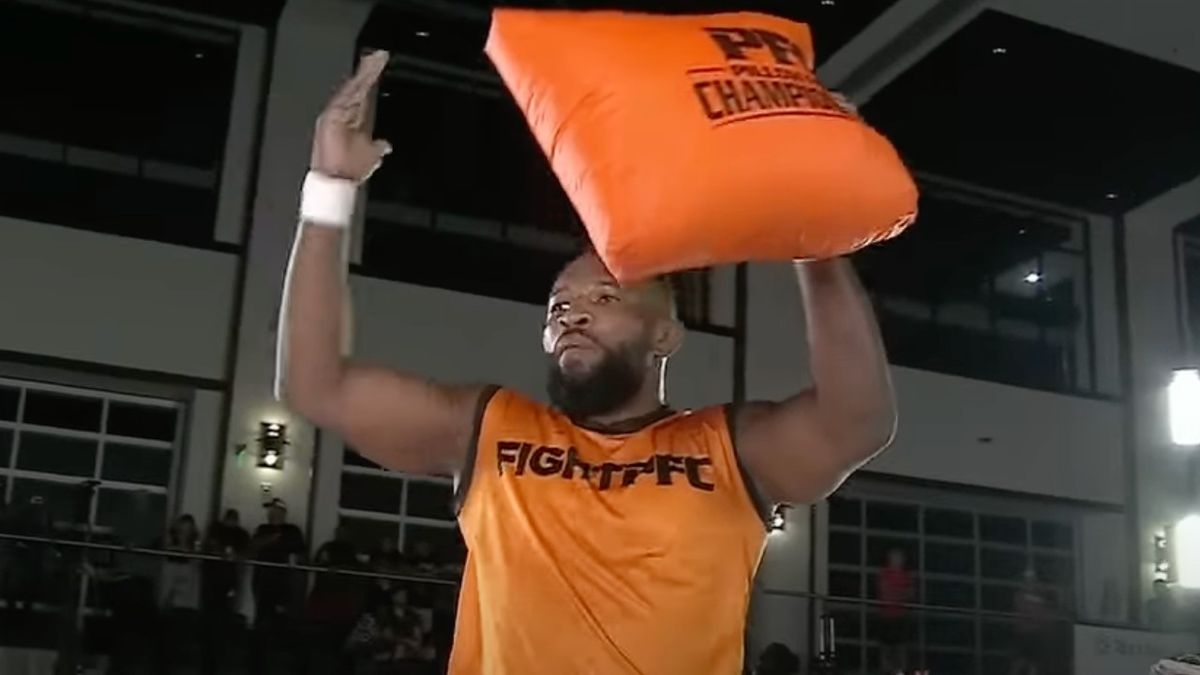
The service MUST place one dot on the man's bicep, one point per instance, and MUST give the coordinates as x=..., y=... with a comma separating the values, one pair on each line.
x=786, y=451
x=406, y=423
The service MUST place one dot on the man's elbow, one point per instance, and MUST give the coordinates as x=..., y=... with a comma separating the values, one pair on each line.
x=313, y=401
x=861, y=439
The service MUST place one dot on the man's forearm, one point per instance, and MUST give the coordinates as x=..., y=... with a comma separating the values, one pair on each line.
x=849, y=363
x=312, y=319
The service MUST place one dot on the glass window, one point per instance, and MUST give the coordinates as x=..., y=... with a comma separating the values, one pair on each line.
x=63, y=502
x=1053, y=535
x=10, y=398
x=444, y=541
x=885, y=516
x=57, y=454
x=430, y=500
x=998, y=598
x=983, y=290
x=62, y=411
x=1002, y=530
x=845, y=548
x=6, y=443
x=97, y=148
x=408, y=507
x=949, y=593
x=950, y=631
x=368, y=534
x=844, y=511
x=998, y=635
x=136, y=464
x=958, y=559
x=1002, y=564
x=950, y=558
x=949, y=662
x=135, y=516
x=155, y=423
x=119, y=487
x=1058, y=570
x=945, y=523
x=879, y=547
x=371, y=493
x=1188, y=241
x=845, y=584
x=847, y=622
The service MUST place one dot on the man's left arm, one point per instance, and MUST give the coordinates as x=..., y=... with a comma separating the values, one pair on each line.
x=800, y=450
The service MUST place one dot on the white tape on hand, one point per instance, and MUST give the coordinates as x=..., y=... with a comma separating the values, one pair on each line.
x=327, y=201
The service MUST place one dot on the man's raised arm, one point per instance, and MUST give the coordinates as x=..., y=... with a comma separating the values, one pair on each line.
x=397, y=420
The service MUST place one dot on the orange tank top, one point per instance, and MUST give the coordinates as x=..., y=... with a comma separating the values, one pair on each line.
x=604, y=554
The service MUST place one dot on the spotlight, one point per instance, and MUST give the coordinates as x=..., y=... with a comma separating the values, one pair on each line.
x=1183, y=407
x=422, y=33
x=999, y=50
x=1033, y=277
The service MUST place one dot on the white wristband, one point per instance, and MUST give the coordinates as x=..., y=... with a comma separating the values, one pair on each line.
x=327, y=201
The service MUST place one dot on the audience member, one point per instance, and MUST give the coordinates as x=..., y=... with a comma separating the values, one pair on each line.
x=895, y=590
x=390, y=639
x=179, y=594
x=777, y=659
x=275, y=590
x=1033, y=629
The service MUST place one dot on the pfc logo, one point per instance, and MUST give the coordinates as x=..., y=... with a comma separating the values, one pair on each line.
x=738, y=43
x=763, y=74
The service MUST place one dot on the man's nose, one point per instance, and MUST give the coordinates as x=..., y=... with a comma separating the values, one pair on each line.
x=575, y=319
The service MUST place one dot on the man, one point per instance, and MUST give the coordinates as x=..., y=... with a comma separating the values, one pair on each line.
x=895, y=590
x=276, y=541
x=608, y=534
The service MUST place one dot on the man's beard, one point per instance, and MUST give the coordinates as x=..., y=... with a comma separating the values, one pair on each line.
x=611, y=383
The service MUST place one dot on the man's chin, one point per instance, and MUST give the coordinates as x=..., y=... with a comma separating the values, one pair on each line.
x=573, y=369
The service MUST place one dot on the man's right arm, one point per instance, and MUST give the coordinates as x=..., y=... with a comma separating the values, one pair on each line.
x=398, y=420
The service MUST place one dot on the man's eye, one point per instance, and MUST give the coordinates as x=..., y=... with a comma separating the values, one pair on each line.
x=558, y=308
x=606, y=299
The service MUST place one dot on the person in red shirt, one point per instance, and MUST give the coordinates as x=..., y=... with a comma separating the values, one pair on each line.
x=895, y=590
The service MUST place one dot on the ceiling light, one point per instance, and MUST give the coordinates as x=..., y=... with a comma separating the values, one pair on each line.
x=1111, y=195
x=198, y=55
x=422, y=33
x=828, y=3
x=1032, y=278
x=999, y=50
x=1183, y=407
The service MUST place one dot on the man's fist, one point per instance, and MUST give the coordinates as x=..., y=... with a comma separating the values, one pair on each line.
x=341, y=147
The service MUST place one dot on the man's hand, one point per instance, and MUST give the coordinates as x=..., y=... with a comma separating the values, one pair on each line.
x=341, y=147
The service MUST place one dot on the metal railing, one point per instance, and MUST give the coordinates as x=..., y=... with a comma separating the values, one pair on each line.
x=87, y=618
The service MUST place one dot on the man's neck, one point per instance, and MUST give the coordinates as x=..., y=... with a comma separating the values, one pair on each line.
x=643, y=409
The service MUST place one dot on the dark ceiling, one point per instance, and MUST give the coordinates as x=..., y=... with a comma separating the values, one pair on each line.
x=260, y=12
x=833, y=22
x=1018, y=106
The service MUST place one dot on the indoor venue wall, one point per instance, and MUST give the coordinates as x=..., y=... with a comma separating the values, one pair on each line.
x=954, y=429
x=116, y=301
x=467, y=338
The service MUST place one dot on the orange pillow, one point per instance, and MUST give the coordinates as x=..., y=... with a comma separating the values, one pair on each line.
x=690, y=141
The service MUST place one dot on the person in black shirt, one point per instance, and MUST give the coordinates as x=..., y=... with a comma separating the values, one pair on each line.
x=277, y=541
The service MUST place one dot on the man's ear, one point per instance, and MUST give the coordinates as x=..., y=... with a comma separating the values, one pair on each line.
x=668, y=337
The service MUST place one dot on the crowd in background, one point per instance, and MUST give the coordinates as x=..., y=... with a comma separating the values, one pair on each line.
x=220, y=615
